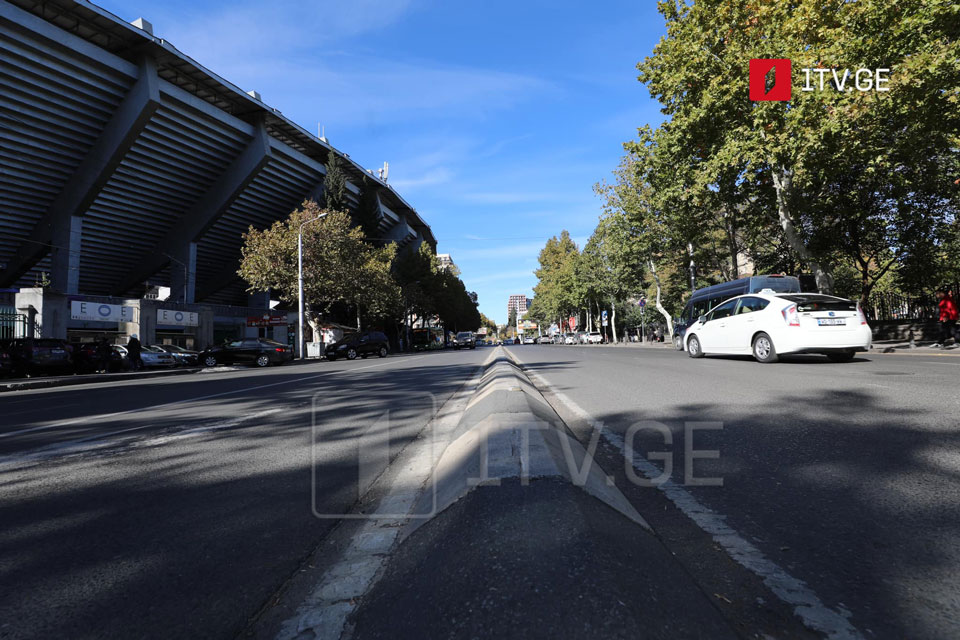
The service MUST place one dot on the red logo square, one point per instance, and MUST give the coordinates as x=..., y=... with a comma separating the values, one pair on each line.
x=779, y=70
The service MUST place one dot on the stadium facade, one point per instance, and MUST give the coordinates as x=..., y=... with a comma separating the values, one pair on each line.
x=125, y=166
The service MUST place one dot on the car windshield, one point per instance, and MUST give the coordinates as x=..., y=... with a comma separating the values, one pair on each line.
x=464, y=336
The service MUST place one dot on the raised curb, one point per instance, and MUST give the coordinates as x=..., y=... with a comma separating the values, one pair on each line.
x=508, y=430
x=45, y=383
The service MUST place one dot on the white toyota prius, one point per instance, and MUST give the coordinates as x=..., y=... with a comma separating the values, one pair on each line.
x=768, y=325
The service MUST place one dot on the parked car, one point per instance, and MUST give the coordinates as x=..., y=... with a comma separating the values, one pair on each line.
x=363, y=344
x=570, y=338
x=703, y=300
x=464, y=340
x=594, y=337
x=151, y=357
x=32, y=356
x=480, y=342
x=184, y=357
x=259, y=351
x=768, y=325
x=530, y=340
x=546, y=340
x=119, y=359
x=516, y=341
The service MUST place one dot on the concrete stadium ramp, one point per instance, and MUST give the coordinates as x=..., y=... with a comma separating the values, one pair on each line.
x=507, y=431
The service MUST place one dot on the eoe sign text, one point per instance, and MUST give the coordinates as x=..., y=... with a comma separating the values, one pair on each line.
x=178, y=318
x=100, y=311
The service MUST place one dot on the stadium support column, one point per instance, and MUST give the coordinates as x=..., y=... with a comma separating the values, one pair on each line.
x=65, y=255
x=183, y=272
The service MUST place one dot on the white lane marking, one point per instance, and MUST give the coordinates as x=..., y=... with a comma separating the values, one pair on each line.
x=324, y=612
x=104, y=416
x=806, y=605
x=99, y=441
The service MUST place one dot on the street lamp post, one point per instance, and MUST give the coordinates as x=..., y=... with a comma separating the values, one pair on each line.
x=300, y=284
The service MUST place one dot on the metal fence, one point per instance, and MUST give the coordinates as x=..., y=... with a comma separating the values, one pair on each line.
x=893, y=306
x=16, y=325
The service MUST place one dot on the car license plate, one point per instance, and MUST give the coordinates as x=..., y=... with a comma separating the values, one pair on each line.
x=830, y=322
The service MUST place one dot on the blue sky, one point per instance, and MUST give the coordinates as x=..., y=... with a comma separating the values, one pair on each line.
x=496, y=117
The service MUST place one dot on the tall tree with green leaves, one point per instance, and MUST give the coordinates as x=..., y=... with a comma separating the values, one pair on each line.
x=338, y=265
x=335, y=183
x=789, y=154
x=368, y=210
x=558, y=292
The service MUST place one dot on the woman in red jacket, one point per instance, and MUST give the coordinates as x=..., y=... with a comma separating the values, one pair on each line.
x=948, y=317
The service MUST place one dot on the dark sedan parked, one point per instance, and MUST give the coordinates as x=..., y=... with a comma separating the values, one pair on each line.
x=363, y=344
x=31, y=356
x=259, y=351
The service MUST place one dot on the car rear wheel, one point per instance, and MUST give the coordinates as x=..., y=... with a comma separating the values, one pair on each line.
x=845, y=356
x=351, y=354
x=210, y=361
x=263, y=360
x=678, y=342
x=763, y=349
x=383, y=352
x=694, y=349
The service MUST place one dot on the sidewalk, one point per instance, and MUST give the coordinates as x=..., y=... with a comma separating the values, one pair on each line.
x=22, y=384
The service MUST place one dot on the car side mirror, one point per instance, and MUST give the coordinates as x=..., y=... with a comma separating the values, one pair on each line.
x=702, y=319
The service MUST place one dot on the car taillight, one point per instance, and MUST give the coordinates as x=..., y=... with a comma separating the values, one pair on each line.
x=279, y=349
x=790, y=316
x=863, y=316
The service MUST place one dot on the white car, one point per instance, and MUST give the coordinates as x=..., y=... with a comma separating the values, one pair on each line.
x=570, y=338
x=594, y=337
x=151, y=356
x=529, y=341
x=768, y=325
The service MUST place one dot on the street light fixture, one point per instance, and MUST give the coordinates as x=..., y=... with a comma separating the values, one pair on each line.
x=300, y=283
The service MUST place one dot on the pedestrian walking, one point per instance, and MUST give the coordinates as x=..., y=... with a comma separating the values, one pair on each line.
x=103, y=356
x=948, y=317
x=133, y=350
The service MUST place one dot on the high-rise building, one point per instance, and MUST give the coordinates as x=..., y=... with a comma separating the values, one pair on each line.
x=518, y=302
x=446, y=262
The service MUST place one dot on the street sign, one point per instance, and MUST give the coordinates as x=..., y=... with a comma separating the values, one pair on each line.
x=603, y=316
x=642, y=303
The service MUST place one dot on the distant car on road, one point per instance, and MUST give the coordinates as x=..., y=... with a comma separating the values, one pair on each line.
x=464, y=340
x=570, y=338
x=184, y=357
x=545, y=340
x=594, y=337
x=768, y=325
x=361, y=345
x=259, y=351
x=530, y=340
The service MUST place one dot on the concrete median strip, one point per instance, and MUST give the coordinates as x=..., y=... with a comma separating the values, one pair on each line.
x=509, y=431
x=496, y=428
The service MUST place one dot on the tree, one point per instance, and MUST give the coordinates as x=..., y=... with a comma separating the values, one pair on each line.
x=368, y=210
x=338, y=265
x=334, y=184
x=790, y=154
x=558, y=292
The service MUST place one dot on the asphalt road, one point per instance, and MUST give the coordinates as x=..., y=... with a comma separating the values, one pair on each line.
x=845, y=476
x=177, y=507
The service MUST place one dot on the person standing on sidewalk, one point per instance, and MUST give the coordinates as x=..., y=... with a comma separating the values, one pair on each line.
x=948, y=317
x=133, y=350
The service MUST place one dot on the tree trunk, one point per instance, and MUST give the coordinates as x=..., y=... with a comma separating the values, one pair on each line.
x=732, y=246
x=613, y=319
x=358, y=317
x=783, y=185
x=589, y=318
x=659, y=306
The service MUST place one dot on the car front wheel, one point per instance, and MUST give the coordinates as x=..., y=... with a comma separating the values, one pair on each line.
x=678, y=342
x=263, y=360
x=694, y=350
x=383, y=352
x=210, y=361
x=763, y=349
x=351, y=354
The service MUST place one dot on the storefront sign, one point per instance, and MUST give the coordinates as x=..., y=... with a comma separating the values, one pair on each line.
x=178, y=318
x=266, y=320
x=100, y=311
